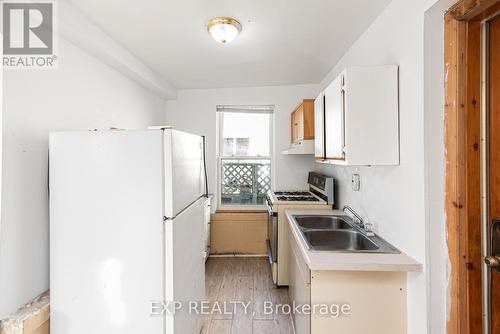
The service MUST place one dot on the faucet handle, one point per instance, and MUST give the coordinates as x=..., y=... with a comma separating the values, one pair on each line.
x=356, y=220
x=369, y=226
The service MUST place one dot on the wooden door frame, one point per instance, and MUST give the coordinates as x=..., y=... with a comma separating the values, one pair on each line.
x=463, y=107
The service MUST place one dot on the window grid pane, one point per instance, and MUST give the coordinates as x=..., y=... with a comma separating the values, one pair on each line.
x=246, y=134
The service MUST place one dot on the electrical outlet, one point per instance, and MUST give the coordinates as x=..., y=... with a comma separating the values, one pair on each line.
x=355, y=182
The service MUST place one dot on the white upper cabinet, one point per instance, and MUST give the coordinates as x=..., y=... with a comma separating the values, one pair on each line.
x=359, y=118
x=334, y=119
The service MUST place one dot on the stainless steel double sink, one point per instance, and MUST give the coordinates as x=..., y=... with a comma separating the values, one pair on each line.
x=336, y=233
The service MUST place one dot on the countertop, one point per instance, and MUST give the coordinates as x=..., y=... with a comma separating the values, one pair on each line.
x=348, y=261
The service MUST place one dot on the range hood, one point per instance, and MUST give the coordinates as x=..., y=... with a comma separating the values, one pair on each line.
x=303, y=147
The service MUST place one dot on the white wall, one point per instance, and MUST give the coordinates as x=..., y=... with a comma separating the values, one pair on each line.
x=82, y=93
x=437, y=256
x=395, y=197
x=194, y=111
x=73, y=25
x=1, y=132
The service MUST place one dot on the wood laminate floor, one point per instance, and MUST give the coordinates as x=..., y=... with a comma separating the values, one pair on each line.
x=247, y=280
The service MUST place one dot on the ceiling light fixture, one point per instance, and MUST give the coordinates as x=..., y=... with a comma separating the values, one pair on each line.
x=223, y=29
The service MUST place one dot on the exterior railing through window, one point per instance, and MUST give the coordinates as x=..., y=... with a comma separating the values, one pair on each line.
x=245, y=182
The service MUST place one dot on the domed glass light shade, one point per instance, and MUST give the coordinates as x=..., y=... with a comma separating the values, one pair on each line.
x=223, y=29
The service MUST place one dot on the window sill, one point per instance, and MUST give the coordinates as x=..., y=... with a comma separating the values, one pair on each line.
x=245, y=209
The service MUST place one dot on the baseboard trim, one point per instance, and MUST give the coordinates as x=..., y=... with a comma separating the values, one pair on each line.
x=237, y=255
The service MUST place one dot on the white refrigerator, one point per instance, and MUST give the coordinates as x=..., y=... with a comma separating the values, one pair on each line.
x=126, y=231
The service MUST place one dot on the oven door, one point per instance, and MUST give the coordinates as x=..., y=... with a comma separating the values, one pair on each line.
x=272, y=233
x=272, y=230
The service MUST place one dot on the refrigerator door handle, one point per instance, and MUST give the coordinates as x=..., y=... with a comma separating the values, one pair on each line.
x=185, y=209
x=205, y=164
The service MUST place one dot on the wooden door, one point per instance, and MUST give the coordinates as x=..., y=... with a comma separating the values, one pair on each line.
x=494, y=164
x=465, y=163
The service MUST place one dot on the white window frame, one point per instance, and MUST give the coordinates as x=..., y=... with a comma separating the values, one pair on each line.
x=220, y=157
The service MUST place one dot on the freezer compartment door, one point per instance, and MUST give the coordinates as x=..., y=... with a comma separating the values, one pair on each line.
x=184, y=180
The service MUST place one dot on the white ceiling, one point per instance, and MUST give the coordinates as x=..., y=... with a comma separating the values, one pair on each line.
x=282, y=42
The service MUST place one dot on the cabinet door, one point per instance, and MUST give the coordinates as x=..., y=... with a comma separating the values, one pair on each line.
x=319, y=128
x=334, y=120
x=294, y=126
x=299, y=288
x=308, y=119
x=300, y=122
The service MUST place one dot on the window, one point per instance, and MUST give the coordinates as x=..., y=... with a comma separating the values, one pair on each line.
x=244, y=155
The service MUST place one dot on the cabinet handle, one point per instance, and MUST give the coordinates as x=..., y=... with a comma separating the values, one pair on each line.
x=342, y=92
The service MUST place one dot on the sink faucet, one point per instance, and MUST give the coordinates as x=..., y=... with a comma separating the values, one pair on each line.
x=368, y=227
x=357, y=218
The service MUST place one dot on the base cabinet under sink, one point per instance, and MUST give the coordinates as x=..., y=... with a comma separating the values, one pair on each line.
x=377, y=300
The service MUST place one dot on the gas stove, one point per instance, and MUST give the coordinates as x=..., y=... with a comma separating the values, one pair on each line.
x=319, y=196
x=293, y=197
x=307, y=197
x=292, y=193
x=320, y=192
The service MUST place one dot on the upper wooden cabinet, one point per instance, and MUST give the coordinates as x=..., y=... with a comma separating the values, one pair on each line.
x=303, y=121
x=358, y=123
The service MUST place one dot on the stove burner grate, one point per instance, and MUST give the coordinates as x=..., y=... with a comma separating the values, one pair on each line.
x=298, y=198
x=292, y=193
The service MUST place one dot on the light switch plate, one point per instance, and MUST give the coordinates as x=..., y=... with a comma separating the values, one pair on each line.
x=355, y=182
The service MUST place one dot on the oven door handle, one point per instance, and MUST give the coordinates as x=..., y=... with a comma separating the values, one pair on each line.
x=270, y=208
